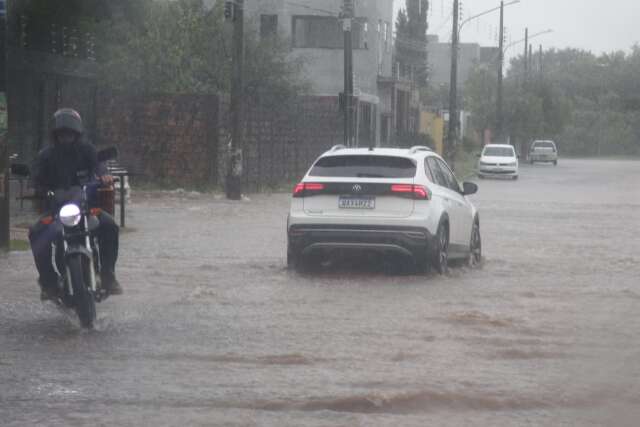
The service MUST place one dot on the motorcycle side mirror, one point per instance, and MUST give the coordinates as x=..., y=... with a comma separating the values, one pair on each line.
x=106, y=154
x=20, y=169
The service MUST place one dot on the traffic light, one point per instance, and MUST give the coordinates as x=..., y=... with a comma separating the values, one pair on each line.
x=228, y=10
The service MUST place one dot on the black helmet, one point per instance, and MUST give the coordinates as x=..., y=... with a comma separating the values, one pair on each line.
x=67, y=118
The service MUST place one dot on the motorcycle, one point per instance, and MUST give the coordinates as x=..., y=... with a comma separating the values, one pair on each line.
x=77, y=252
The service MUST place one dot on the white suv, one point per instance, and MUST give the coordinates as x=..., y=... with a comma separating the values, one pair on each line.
x=391, y=201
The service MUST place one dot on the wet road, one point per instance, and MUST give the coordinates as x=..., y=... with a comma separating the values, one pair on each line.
x=213, y=330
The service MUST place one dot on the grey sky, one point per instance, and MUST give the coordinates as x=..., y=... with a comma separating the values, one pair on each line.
x=588, y=24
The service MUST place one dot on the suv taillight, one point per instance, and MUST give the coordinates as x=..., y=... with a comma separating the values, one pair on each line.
x=418, y=192
x=304, y=188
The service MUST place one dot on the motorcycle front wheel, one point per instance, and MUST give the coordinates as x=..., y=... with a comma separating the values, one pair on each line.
x=83, y=301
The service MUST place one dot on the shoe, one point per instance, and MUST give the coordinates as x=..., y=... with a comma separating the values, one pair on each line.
x=49, y=291
x=111, y=285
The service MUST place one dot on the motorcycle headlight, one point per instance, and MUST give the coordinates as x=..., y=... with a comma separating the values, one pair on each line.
x=70, y=215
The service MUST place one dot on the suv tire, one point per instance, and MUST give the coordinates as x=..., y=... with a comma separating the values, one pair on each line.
x=440, y=256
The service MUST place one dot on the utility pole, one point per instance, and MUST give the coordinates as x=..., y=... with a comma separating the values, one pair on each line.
x=499, y=120
x=5, y=169
x=526, y=52
x=530, y=66
x=540, y=66
x=347, y=15
x=234, y=171
x=452, y=136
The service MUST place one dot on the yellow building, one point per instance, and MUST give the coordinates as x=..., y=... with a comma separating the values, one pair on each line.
x=433, y=125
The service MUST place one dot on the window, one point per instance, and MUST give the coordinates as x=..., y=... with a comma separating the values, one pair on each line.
x=499, y=152
x=452, y=182
x=364, y=167
x=387, y=36
x=268, y=26
x=436, y=172
x=326, y=32
x=544, y=144
x=427, y=170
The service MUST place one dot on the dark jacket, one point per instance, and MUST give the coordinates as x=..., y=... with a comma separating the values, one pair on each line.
x=58, y=168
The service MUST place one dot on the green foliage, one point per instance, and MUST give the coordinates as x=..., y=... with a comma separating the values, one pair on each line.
x=589, y=104
x=411, y=40
x=181, y=47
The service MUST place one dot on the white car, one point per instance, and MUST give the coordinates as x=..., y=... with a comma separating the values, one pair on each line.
x=543, y=151
x=392, y=201
x=498, y=160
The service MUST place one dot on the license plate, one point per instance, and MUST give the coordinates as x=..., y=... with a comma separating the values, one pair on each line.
x=357, y=202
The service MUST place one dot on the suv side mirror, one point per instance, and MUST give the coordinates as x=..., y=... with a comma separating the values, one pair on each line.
x=469, y=188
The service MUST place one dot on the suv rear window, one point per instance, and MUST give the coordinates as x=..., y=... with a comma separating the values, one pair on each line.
x=545, y=144
x=364, y=167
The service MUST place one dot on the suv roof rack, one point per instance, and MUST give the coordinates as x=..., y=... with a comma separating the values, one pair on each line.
x=415, y=149
x=337, y=147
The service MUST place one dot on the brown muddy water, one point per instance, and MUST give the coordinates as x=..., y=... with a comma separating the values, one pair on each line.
x=213, y=329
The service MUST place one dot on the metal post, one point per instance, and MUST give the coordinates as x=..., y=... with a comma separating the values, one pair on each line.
x=499, y=119
x=5, y=196
x=122, y=202
x=526, y=52
x=540, y=65
x=348, y=72
x=452, y=135
x=234, y=173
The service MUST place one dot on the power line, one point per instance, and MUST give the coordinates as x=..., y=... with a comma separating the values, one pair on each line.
x=304, y=6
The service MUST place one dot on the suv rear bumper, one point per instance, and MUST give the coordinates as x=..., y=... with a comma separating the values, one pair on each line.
x=543, y=157
x=415, y=242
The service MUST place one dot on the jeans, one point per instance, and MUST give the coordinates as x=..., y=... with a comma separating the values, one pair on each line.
x=43, y=235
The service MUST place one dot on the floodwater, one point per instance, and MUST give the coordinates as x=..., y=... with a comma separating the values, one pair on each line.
x=213, y=329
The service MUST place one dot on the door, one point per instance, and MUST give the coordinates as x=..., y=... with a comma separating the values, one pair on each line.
x=460, y=208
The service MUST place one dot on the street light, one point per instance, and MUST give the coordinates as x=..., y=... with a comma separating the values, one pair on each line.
x=486, y=12
x=453, y=87
x=530, y=37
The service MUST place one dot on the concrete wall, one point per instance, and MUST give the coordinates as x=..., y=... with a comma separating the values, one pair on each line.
x=439, y=59
x=325, y=66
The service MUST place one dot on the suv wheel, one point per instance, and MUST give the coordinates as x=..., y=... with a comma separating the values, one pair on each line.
x=475, y=247
x=441, y=255
x=293, y=258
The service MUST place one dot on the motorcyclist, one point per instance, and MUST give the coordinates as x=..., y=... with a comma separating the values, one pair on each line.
x=67, y=162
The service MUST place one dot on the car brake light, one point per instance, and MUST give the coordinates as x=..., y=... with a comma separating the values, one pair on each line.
x=417, y=191
x=301, y=189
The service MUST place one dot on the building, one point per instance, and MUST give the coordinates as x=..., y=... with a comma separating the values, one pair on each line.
x=470, y=54
x=315, y=32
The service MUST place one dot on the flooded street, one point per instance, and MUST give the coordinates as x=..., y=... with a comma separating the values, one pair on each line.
x=214, y=330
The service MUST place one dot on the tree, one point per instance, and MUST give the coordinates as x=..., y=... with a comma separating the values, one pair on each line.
x=181, y=47
x=411, y=40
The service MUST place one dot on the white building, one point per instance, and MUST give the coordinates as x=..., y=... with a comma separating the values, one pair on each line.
x=316, y=32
